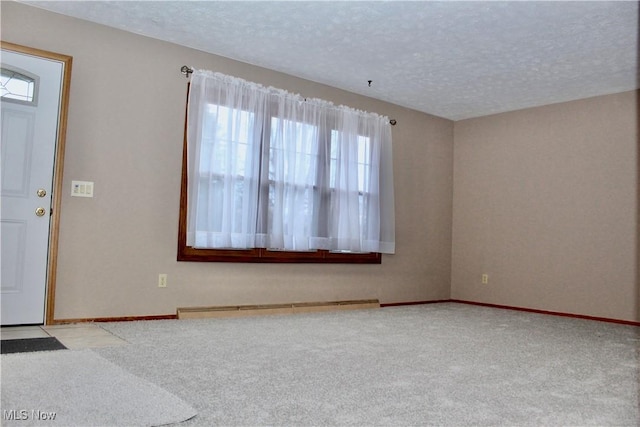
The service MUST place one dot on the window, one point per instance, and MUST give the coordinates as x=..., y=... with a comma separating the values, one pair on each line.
x=17, y=86
x=271, y=177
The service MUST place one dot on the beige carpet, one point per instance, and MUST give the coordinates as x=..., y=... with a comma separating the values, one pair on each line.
x=442, y=365
x=80, y=388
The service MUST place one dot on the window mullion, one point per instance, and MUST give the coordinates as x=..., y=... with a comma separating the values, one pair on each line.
x=263, y=176
x=323, y=174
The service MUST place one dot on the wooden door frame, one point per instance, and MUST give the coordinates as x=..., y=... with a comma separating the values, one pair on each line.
x=58, y=164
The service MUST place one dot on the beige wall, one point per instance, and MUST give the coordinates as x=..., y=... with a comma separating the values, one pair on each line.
x=545, y=203
x=126, y=119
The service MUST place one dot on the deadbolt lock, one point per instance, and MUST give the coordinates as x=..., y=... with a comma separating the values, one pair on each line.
x=40, y=211
x=41, y=192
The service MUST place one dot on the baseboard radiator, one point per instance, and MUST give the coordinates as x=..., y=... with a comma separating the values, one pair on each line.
x=258, y=310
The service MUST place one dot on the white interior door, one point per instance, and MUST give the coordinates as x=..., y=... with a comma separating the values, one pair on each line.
x=29, y=136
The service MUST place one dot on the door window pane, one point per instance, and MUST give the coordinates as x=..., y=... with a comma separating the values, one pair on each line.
x=17, y=86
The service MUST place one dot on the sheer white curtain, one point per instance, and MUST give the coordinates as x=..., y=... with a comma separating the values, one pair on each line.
x=270, y=169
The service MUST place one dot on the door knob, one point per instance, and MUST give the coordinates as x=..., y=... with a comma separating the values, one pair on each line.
x=40, y=211
x=41, y=192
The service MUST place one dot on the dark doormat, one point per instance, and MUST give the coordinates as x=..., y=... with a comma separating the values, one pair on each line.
x=30, y=344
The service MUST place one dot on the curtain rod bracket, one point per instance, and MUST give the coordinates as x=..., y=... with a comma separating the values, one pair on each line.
x=186, y=71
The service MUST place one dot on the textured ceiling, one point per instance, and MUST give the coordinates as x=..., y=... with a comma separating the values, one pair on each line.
x=451, y=59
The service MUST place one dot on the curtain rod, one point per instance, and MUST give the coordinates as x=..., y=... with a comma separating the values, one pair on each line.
x=186, y=70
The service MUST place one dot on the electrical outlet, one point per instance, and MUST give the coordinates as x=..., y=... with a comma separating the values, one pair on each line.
x=485, y=279
x=162, y=280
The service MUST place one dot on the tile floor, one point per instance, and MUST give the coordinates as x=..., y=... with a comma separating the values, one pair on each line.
x=74, y=336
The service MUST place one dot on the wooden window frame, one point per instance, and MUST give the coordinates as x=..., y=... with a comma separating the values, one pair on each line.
x=255, y=255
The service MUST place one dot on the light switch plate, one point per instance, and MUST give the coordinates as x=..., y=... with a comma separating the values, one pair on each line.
x=82, y=188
